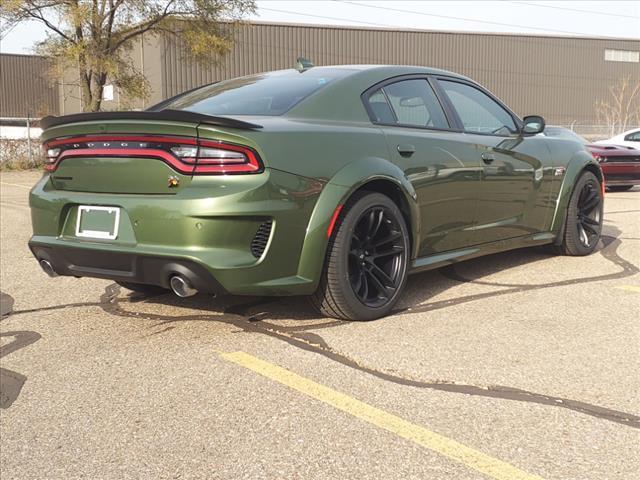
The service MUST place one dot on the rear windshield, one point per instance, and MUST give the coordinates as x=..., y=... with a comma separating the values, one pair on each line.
x=265, y=94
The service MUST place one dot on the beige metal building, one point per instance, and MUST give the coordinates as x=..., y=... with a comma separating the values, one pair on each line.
x=26, y=89
x=557, y=77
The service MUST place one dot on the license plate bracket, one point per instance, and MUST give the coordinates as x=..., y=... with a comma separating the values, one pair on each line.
x=98, y=222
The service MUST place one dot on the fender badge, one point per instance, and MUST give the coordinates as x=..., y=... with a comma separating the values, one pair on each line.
x=558, y=171
x=173, y=182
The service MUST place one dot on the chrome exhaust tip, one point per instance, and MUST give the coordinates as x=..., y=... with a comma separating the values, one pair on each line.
x=48, y=268
x=182, y=287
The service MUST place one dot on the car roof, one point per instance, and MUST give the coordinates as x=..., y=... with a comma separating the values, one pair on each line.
x=393, y=70
x=341, y=100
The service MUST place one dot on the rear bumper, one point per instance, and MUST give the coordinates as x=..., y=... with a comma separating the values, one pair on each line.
x=210, y=232
x=624, y=173
x=125, y=267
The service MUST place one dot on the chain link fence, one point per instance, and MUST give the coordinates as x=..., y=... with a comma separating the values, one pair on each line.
x=593, y=133
x=19, y=144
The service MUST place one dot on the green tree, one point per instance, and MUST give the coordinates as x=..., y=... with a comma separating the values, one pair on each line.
x=96, y=36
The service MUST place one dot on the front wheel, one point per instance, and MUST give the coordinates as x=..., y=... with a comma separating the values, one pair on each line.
x=367, y=260
x=583, y=225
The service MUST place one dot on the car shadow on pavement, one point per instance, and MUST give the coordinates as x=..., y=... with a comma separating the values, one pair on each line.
x=300, y=323
x=420, y=288
x=11, y=382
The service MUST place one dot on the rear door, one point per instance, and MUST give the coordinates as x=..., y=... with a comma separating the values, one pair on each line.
x=514, y=190
x=425, y=146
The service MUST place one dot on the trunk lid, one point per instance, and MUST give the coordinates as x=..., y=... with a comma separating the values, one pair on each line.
x=127, y=152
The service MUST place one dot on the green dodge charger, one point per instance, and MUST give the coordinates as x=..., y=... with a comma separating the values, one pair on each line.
x=332, y=182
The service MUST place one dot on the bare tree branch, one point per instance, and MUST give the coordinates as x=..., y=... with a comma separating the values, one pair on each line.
x=95, y=37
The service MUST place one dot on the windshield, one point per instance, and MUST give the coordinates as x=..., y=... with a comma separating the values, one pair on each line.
x=565, y=133
x=265, y=94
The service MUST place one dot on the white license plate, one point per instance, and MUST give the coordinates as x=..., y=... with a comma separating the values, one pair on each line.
x=98, y=222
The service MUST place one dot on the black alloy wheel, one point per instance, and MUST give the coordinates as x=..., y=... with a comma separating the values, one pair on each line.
x=367, y=260
x=589, y=222
x=376, y=257
x=583, y=224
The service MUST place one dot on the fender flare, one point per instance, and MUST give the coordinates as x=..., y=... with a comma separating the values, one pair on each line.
x=336, y=192
x=580, y=162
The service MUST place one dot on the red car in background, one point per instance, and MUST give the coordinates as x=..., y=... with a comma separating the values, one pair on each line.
x=620, y=164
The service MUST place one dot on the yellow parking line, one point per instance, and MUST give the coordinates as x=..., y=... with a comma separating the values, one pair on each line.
x=479, y=461
x=16, y=185
x=630, y=288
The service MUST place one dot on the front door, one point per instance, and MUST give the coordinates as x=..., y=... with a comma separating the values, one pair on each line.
x=514, y=186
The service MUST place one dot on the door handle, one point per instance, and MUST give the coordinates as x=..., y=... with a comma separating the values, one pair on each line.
x=406, y=150
x=487, y=157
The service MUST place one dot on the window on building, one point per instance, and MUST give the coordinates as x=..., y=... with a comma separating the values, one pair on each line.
x=622, y=56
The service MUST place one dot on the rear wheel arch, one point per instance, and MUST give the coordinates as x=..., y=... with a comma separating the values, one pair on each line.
x=368, y=174
x=371, y=231
x=394, y=191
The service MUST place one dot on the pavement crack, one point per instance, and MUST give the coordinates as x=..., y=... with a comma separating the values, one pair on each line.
x=299, y=336
x=314, y=343
x=609, y=252
x=317, y=345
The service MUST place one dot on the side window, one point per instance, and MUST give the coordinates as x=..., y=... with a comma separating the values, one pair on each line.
x=410, y=102
x=633, y=137
x=478, y=111
x=381, y=109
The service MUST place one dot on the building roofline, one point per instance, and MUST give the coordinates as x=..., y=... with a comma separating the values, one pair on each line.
x=421, y=30
x=3, y=54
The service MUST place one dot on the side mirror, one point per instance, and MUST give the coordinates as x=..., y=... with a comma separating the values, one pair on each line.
x=533, y=124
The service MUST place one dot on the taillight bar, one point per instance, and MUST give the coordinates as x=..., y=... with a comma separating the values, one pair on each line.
x=100, y=140
x=209, y=157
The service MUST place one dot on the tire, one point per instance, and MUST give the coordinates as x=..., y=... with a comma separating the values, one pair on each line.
x=619, y=188
x=143, y=288
x=583, y=224
x=367, y=259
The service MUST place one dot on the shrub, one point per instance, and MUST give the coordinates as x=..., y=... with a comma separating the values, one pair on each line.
x=14, y=154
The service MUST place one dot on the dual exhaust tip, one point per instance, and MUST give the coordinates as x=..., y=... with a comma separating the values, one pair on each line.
x=179, y=284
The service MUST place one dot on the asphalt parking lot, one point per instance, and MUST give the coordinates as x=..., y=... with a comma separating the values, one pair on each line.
x=518, y=365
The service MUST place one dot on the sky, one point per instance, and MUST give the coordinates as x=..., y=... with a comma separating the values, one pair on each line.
x=619, y=19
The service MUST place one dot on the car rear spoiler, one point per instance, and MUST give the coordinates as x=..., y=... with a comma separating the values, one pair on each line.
x=171, y=115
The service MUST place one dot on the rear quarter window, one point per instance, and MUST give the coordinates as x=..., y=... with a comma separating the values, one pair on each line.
x=407, y=103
